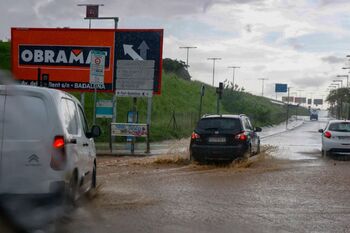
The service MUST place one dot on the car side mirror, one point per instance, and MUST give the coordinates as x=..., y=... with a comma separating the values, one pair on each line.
x=258, y=129
x=95, y=132
x=320, y=130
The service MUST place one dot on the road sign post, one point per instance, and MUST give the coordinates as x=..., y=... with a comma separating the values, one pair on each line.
x=201, y=101
x=97, y=69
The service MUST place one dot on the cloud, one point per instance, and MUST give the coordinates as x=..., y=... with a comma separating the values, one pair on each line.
x=312, y=81
x=333, y=59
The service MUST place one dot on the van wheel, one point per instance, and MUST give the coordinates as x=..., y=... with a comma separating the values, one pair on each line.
x=72, y=192
x=93, y=180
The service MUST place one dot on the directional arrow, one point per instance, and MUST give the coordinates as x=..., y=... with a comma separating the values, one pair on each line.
x=143, y=50
x=128, y=50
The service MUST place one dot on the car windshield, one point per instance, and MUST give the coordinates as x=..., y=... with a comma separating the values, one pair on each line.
x=219, y=123
x=340, y=127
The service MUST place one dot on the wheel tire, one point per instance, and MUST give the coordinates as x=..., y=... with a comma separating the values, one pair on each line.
x=258, y=150
x=247, y=154
x=71, y=196
x=93, y=179
x=325, y=153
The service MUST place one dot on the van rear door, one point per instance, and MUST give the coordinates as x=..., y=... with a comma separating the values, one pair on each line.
x=26, y=139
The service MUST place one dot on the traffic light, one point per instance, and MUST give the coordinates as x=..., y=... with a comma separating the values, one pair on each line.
x=220, y=90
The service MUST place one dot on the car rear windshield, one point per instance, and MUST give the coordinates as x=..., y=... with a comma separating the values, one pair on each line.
x=219, y=123
x=340, y=127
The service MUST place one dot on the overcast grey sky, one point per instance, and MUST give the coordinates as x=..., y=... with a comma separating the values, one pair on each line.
x=299, y=42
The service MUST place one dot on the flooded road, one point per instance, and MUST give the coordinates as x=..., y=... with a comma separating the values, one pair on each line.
x=288, y=188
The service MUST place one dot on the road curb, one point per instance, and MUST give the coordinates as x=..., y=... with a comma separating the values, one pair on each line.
x=286, y=130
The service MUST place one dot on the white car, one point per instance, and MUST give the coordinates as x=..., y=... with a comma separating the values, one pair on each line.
x=336, y=138
x=46, y=147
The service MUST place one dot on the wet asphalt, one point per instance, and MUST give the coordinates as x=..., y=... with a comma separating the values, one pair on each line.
x=290, y=187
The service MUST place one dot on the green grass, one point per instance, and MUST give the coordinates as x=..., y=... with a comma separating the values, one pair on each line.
x=175, y=112
x=5, y=60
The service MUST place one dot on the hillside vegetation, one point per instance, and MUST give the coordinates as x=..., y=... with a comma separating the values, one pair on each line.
x=176, y=111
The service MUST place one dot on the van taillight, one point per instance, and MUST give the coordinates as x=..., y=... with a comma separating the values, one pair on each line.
x=328, y=134
x=58, y=158
x=58, y=142
x=241, y=136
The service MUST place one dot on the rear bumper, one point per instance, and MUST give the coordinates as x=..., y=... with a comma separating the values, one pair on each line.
x=339, y=151
x=31, y=211
x=216, y=152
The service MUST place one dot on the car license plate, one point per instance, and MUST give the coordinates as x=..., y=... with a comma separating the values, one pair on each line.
x=217, y=140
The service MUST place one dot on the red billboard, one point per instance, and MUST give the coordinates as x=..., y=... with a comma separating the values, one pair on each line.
x=62, y=54
x=133, y=59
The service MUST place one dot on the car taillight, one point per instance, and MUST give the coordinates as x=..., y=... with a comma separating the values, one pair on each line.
x=195, y=136
x=328, y=134
x=58, y=142
x=241, y=136
x=58, y=157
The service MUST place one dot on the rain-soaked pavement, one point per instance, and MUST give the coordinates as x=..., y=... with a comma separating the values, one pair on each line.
x=288, y=188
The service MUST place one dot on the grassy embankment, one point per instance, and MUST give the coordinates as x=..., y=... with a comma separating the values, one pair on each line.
x=175, y=112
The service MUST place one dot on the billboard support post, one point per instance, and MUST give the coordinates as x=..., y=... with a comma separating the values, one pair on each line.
x=39, y=77
x=149, y=115
x=287, y=108
x=134, y=120
x=95, y=100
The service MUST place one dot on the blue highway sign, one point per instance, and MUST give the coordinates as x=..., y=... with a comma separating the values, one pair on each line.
x=281, y=87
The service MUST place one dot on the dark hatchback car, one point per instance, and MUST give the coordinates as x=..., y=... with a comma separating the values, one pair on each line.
x=224, y=138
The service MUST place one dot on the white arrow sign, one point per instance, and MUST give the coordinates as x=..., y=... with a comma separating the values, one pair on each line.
x=143, y=50
x=128, y=50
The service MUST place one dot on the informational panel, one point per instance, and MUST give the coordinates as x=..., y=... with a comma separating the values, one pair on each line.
x=138, y=66
x=318, y=101
x=129, y=130
x=281, y=88
x=104, y=109
x=300, y=100
x=63, y=54
x=97, y=67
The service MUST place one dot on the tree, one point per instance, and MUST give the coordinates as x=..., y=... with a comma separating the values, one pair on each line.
x=337, y=98
x=176, y=67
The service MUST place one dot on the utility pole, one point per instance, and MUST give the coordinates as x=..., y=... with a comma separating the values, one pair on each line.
x=287, y=108
x=188, y=52
x=347, y=79
x=214, y=59
x=339, y=80
x=233, y=74
x=262, y=85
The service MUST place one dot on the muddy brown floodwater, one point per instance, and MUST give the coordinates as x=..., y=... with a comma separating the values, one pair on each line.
x=288, y=188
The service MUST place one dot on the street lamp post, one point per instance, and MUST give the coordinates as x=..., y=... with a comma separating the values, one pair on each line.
x=288, y=107
x=344, y=76
x=187, y=52
x=338, y=80
x=262, y=85
x=347, y=68
x=214, y=59
x=233, y=74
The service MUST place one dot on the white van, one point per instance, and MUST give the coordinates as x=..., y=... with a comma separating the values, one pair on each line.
x=45, y=144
